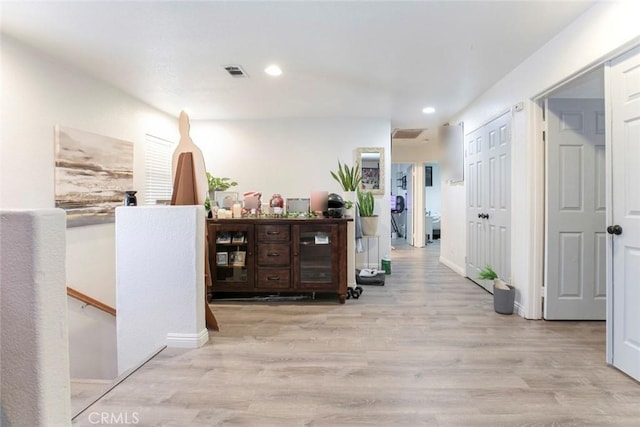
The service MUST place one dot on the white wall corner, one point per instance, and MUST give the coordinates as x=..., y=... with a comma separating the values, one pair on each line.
x=458, y=269
x=159, y=278
x=188, y=340
x=520, y=309
x=35, y=386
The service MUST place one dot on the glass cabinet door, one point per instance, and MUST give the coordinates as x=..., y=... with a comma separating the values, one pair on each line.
x=316, y=261
x=231, y=256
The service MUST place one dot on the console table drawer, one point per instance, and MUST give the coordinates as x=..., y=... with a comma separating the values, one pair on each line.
x=273, y=278
x=274, y=254
x=273, y=233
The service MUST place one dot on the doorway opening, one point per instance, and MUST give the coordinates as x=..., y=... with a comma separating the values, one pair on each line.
x=400, y=219
x=432, y=202
x=416, y=187
x=575, y=200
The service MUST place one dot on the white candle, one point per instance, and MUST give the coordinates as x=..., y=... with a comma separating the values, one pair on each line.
x=237, y=210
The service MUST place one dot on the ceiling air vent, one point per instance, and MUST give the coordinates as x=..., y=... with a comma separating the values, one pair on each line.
x=235, y=71
x=407, y=133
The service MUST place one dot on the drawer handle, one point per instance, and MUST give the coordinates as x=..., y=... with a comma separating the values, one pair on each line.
x=272, y=232
x=273, y=278
x=273, y=254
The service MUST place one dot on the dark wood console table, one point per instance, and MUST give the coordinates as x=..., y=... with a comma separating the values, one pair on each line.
x=284, y=256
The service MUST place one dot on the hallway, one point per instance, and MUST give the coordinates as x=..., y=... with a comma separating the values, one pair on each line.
x=425, y=349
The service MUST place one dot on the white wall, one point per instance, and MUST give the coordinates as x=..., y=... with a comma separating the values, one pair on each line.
x=293, y=157
x=160, y=280
x=35, y=389
x=92, y=342
x=604, y=30
x=39, y=92
x=416, y=152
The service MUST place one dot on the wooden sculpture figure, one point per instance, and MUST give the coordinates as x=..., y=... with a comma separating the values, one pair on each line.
x=190, y=187
x=189, y=176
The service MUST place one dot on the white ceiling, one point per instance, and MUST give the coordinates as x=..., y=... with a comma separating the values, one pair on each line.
x=382, y=59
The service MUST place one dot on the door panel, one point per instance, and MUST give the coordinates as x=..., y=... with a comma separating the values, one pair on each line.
x=570, y=265
x=473, y=161
x=600, y=199
x=571, y=166
x=625, y=156
x=488, y=195
x=576, y=205
x=600, y=254
x=410, y=206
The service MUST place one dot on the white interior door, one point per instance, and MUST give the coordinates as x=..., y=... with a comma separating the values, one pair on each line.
x=488, y=163
x=625, y=240
x=475, y=183
x=498, y=215
x=575, y=282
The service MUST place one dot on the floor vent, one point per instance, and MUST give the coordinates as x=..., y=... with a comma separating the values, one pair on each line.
x=235, y=71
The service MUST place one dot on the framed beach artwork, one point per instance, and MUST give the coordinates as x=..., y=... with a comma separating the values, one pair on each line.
x=91, y=175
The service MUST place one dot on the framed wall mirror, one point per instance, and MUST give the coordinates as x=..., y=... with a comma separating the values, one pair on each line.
x=371, y=161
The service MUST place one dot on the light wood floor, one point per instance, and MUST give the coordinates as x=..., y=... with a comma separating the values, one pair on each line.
x=425, y=349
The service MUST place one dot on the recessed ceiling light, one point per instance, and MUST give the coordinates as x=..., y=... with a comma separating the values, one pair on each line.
x=428, y=110
x=273, y=70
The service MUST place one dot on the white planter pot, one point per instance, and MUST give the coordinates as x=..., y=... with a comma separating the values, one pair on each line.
x=350, y=196
x=369, y=225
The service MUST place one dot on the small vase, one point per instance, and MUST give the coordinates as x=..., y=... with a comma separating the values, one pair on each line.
x=130, y=198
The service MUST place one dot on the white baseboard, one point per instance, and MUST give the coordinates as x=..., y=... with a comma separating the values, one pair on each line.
x=188, y=340
x=522, y=311
x=453, y=266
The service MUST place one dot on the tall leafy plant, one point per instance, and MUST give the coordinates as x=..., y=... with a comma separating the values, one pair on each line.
x=348, y=177
x=366, y=203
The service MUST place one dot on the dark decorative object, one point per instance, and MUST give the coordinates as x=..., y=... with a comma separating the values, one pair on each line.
x=130, y=198
x=428, y=176
x=335, y=206
x=503, y=299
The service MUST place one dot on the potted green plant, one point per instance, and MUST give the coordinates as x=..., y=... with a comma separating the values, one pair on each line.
x=349, y=178
x=219, y=185
x=366, y=205
x=487, y=273
x=207, y=207
x=503, y=293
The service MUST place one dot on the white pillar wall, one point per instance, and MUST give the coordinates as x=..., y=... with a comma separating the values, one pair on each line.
x=160, y=295
x=35, y=387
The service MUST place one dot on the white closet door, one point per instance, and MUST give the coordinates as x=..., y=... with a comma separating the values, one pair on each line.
x=575, y=282
x=474, y=149
x=488, y=159
x=498, y=196
x=625, y=241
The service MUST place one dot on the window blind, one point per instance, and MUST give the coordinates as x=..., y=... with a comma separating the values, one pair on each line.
x=157, y=166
